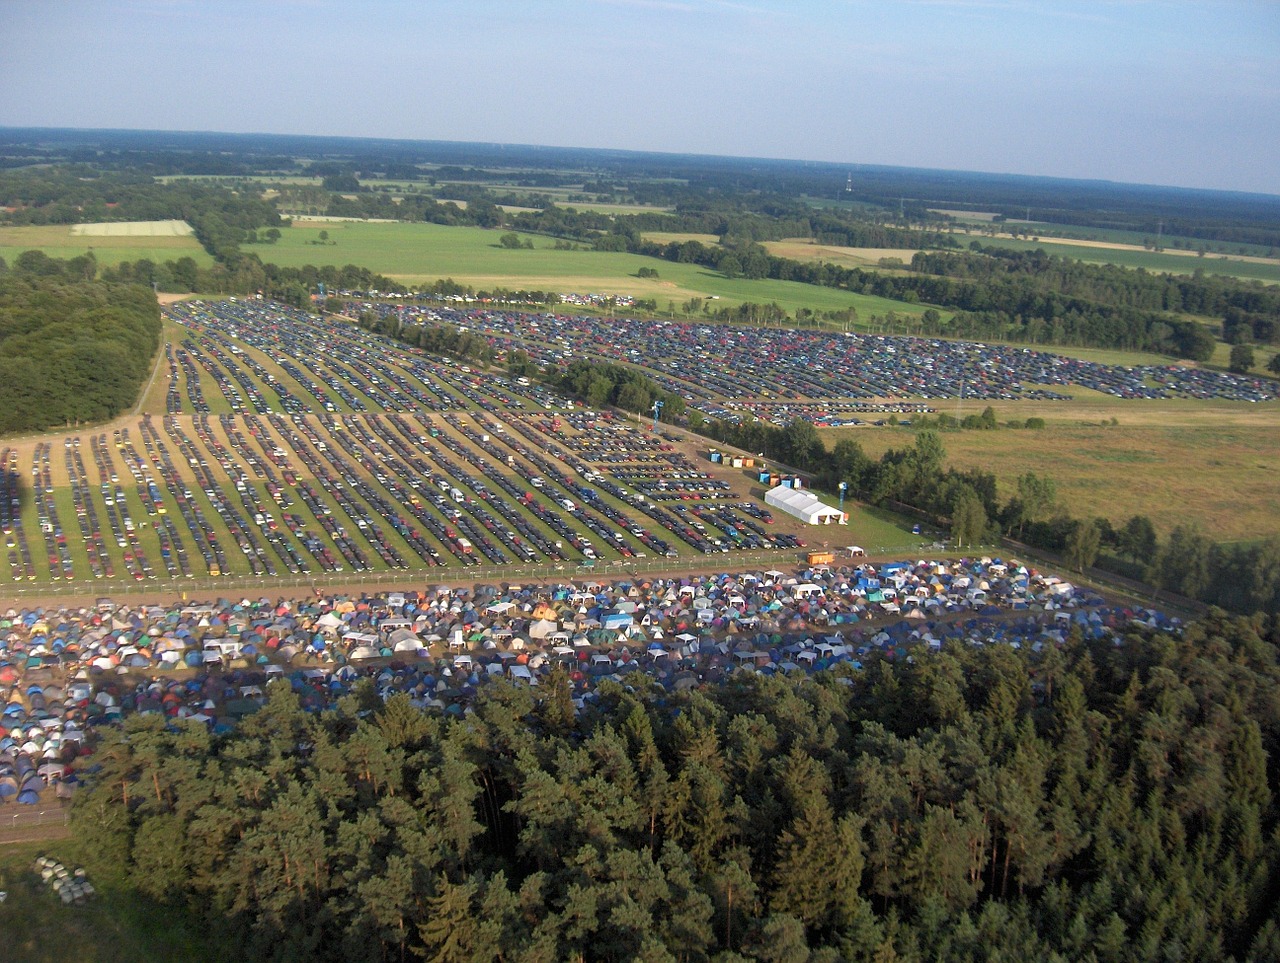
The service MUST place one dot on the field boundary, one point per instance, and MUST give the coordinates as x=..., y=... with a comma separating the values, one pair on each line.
x=33, y=825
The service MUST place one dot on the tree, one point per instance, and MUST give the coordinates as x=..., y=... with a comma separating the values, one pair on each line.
x=1183, y=563
x=968, y=520
x=1082, y=545
x=1274, y=364
x=1036, y=496
x=1138, y=538
x=1242, y=358
x=729, y=266
x=800, y=443
x=510, y=240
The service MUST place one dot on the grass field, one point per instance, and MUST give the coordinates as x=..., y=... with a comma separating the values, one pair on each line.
x=801, y=249
x=134, y=229
x=117, y=926
x=1214, y=463
x=1067, y=233
x=417, y=253
x=60, y=241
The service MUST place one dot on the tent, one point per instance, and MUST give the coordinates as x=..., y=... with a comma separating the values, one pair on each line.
x=804, y=506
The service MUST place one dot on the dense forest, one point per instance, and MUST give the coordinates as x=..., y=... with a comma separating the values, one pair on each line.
x=72, y=349
x=1094, y=801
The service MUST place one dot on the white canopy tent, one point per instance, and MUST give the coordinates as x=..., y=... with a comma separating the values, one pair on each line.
x=804, y=506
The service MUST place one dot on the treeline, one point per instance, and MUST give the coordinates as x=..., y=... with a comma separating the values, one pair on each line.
x=1004, y=308
x=1240, y=577
x=247, y=274
x=599, y=383
x=220, y=218
x=438, y=339
x=72, y=350
x=1098, y=801
x=1250, y=310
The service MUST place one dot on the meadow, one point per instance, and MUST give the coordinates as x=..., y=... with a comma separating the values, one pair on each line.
x=60, y=241
x=118, y=925
x=1213, y=463
x=421, y=253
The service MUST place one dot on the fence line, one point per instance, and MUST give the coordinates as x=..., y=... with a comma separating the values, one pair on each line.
x=547, y=571
x=24, y=817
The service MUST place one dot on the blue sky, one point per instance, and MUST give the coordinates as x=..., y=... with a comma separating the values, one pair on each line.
x=1144, y=91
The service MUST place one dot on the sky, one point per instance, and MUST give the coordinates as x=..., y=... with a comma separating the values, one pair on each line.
x=1163, y=92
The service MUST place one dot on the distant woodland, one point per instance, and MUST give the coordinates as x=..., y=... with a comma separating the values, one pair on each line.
x=1097, y=801
x=990, y=292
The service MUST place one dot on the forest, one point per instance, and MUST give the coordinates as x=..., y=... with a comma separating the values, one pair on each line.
x=1101, y=800
x=72, y=350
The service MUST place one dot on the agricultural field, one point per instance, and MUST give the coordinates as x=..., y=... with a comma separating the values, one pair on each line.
x=421, y=253
x=1175, y=461
x=1249, y=267
x=110, y=243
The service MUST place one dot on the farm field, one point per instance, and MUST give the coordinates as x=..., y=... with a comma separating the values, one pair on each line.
x=1175, y=461
x=1093, y=252
x=802, y=249
x=418, y=253
x=61, y=241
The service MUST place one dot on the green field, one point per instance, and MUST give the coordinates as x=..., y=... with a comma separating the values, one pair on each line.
x=117, y=926
x=57, y=241
x=418, y=253
x=1214, y=463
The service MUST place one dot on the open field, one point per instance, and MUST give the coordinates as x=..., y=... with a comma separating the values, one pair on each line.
x=801, y=249
x=1217, y=464
x=418, y=253
x=116, y=926
x=59, y=241
x=667, y=237
x=133, y=229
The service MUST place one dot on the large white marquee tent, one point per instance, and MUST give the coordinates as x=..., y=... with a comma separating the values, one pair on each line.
x=804, y=506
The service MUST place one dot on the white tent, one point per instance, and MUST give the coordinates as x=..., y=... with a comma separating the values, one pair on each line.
x=804, y=506
x=541, y=629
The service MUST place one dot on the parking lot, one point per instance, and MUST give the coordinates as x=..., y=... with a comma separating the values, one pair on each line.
x=725, y=371
x=294, y=445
